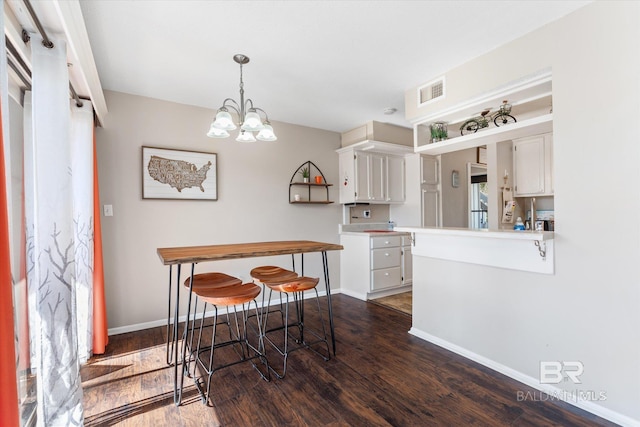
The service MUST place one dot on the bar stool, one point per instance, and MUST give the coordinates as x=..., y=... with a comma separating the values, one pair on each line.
x=272, y=274
x=296, y=288
x=230, y=297
x=203, y=281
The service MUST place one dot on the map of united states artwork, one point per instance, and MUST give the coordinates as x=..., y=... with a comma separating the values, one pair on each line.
x=177, y=174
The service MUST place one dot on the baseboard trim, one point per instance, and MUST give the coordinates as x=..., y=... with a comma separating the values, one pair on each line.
x=352, y=294
x=163, y=322
x=591, y=407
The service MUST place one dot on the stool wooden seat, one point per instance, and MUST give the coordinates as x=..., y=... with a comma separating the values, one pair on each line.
x=294, y=287
x=272, y=274
x=211, y=280
x=202, y=281
x=230, y=297
x=299, y=284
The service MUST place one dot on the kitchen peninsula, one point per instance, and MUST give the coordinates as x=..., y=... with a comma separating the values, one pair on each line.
x=530, y=251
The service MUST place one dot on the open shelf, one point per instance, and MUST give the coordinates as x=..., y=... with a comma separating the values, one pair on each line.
x=311, y=186
x=533, y=126
x=531, y=102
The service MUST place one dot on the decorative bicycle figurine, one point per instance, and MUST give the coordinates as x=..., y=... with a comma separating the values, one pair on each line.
x=501, y=118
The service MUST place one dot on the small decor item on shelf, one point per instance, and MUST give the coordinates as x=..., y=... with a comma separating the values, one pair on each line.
x=305, y=174
x=501, y=118
x=438, y=131
x=318, y=179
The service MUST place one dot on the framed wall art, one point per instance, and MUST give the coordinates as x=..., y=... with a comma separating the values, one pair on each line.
x=179, y=174
x=482, y=155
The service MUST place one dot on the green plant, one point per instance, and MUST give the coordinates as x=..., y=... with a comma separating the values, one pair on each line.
x=304, y=172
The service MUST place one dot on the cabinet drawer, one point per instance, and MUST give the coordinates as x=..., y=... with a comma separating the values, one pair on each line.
x=385, y=241
x=386, y=278
x=385, y=258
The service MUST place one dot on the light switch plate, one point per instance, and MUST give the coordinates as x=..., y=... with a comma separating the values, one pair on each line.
x=108, y=210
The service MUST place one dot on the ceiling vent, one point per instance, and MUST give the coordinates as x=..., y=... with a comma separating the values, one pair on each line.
x=430, y=92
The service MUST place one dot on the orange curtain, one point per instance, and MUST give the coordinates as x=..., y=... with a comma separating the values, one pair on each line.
x=100, y=334
x=8, y=378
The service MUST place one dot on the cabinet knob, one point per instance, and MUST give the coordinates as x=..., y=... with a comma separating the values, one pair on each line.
x=386, y=254
x=386, y=274
x=386, y=243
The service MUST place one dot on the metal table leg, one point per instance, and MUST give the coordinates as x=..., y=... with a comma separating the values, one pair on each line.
x=325, y=267
x=177, y=390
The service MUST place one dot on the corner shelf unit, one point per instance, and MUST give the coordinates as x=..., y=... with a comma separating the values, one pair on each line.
x=311, y=187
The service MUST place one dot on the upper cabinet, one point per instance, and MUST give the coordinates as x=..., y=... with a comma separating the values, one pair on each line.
x=372, y=172
x=533, y=165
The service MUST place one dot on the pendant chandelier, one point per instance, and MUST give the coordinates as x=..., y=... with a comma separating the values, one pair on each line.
x=249, y=118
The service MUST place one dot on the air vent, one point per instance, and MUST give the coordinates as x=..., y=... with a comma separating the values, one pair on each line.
x=430, y=92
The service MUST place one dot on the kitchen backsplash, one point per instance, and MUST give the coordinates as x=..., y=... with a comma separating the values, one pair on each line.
x=365, y=226
x=376, y=213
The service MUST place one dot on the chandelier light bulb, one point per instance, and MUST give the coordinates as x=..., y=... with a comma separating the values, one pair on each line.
x=245, y=136
x=267, y=134
x=224, y=121
x=214, y=132
x=252, y=122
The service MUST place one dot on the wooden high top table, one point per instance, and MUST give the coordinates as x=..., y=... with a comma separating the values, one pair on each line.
x=196, y=254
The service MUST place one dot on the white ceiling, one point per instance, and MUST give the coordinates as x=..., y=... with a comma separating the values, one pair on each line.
x=327, y=64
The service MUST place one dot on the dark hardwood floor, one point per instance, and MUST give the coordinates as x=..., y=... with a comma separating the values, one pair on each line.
x=381, y=376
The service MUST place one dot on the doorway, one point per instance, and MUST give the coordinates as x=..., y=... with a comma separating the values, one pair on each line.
x=478, y=196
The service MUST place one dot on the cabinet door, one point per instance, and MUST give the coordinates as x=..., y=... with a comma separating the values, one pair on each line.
x=430, y=187
x=395, y=179
x=407, y=265
x=346, y=161
x=429, y=170
x=528, y=165
x=362, y=177
x=377, y=177
x=548, y=163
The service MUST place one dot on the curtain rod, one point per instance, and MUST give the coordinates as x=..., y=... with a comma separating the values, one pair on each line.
x=46, y=42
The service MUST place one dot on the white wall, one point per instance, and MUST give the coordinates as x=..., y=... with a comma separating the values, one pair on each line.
x=252, y=205
x=589, y=309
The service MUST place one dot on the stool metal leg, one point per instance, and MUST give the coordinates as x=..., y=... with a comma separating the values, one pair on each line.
x=238, y=336
x=284, y=351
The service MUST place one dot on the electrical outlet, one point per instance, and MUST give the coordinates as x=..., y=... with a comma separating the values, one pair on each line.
x=366, y=214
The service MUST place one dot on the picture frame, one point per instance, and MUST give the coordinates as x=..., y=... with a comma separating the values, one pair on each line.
x=179, y=174
x=482, y=155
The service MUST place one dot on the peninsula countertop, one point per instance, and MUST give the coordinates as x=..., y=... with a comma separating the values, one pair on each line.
x=484, y=233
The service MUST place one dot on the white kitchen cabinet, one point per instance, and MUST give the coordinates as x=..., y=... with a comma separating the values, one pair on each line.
x=533, y=165
x=371, y=177
x=374, y=265
x=407, y=261
x=430, y=189
x=395, y=179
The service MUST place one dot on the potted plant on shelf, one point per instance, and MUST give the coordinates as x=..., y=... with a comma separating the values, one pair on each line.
x=305, y=174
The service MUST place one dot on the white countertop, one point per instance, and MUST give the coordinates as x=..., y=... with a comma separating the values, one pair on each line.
x=494, y=234
x=374, y=233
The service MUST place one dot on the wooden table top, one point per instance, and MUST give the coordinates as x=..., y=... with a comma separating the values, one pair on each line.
x=195, y=254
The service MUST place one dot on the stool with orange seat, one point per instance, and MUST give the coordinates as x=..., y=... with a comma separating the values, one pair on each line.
x=289, y=283
x=220, y=292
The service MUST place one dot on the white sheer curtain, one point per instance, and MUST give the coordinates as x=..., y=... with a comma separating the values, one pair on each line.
x=59, y=222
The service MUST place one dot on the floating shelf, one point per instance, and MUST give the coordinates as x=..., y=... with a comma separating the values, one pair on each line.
x=310, y=186
x=533, y=126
